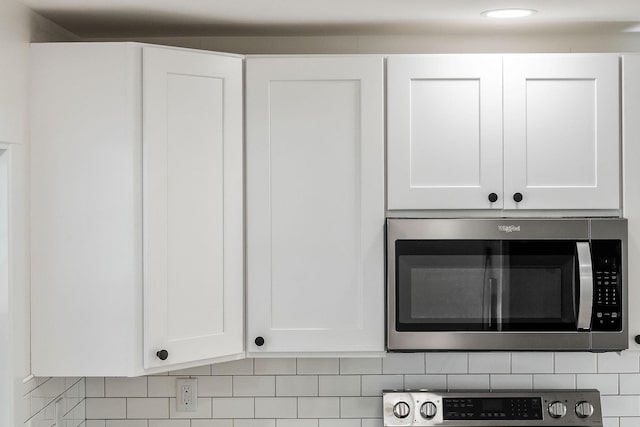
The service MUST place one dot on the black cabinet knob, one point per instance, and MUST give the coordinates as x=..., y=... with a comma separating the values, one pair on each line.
x=493, y=197
x=637, y=339
x=259, y=341
x=517, y=197
x=162, y=354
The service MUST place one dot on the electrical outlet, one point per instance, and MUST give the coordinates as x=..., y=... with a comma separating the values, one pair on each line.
x=186, y=395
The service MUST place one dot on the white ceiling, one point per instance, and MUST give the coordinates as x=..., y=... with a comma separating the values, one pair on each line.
x=335, y=17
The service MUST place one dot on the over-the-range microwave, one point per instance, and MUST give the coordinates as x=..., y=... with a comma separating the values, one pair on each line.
x=507, y=284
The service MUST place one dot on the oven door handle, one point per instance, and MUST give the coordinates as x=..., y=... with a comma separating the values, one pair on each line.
x=585, y=272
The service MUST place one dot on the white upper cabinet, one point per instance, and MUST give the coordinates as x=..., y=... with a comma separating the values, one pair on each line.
x=192, y=205
x=562, y=131
x=444, y=117
x=137, y=208
x=560, y=118
x=315, y=205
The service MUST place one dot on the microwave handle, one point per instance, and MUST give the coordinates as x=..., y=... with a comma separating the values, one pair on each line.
x=585, y=271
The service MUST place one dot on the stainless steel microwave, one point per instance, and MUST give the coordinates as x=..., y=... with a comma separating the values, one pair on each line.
x=507, y=284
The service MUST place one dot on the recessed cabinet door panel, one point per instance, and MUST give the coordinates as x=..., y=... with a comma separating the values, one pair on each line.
x=444, y=131
x=192, y=176
x=315, y=204
x=561, y=131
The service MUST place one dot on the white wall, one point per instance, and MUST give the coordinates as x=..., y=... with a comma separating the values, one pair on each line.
x=433, y=43
x=18, y=26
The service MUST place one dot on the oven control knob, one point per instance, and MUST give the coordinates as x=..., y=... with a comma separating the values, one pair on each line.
x=584, y=409
x=557, y=409
x=401, y=410
x=428, y=410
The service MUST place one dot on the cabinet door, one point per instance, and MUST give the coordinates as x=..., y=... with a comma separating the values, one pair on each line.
x=561, y=131
x=444, y=115
x=315, y=204
x=192, y=204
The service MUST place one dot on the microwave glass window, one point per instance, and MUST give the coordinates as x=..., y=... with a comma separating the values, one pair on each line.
x=485, y=285
x=439, y=293
x=446, y=286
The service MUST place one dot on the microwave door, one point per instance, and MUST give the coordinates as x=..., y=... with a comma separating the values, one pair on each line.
x=585, y=277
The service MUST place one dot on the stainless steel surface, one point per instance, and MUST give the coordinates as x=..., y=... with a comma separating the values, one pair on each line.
x=415, y=400
x=504, y=229
x=585, y=272
x=557, y=409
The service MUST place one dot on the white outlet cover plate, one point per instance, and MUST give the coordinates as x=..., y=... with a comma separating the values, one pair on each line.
x=186, y=395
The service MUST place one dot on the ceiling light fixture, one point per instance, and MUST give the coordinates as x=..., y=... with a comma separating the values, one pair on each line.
x=508, y=13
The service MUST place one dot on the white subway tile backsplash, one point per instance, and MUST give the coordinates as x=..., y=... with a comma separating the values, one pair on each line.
x=605, y=383
x=215, y=386
x=276, y=407
x=620, y=406
x=165, y=386
x=106, y=408
x=339, y=385
x=169, y=423
x=316, y=392
x=511, y=382
x=254, y=423
x=198, y=370
x=233, y=407
x=94, y=386
x=554, y=381
x=318, y=407
x=630, y=384
x=532, y=363
x=372, y=385
x=148, y=407
x=303, y=385
x=629, y=422
x=236, y=367
x=433, y=382
x=127, y=423
x=361, y=407
x=627, y=361
x=575, y=363
x=489, y=363
x=468, y=382
x=362, y=365
x=125, y=387
x=447, y=363
x=278, y=366
x=296, y=423
x=315, y=366
x=211, y=423
x=254, y=386
x=203, y=411
x=403, y=363
x=344, y=422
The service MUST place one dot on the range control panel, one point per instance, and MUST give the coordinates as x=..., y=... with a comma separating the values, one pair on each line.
x=563, y=408
x=492, y=408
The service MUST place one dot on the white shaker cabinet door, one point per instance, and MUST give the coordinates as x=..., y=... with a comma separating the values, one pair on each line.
x=561, y=131
x=192, y=206
x=315, y=205
x=444, y=115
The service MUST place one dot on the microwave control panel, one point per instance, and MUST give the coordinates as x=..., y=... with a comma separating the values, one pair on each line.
x=607, y=281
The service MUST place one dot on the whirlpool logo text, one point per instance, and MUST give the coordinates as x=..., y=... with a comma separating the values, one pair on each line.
x=508, y=228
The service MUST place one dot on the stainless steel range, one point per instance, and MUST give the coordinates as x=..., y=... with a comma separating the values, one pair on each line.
x=563, y=408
